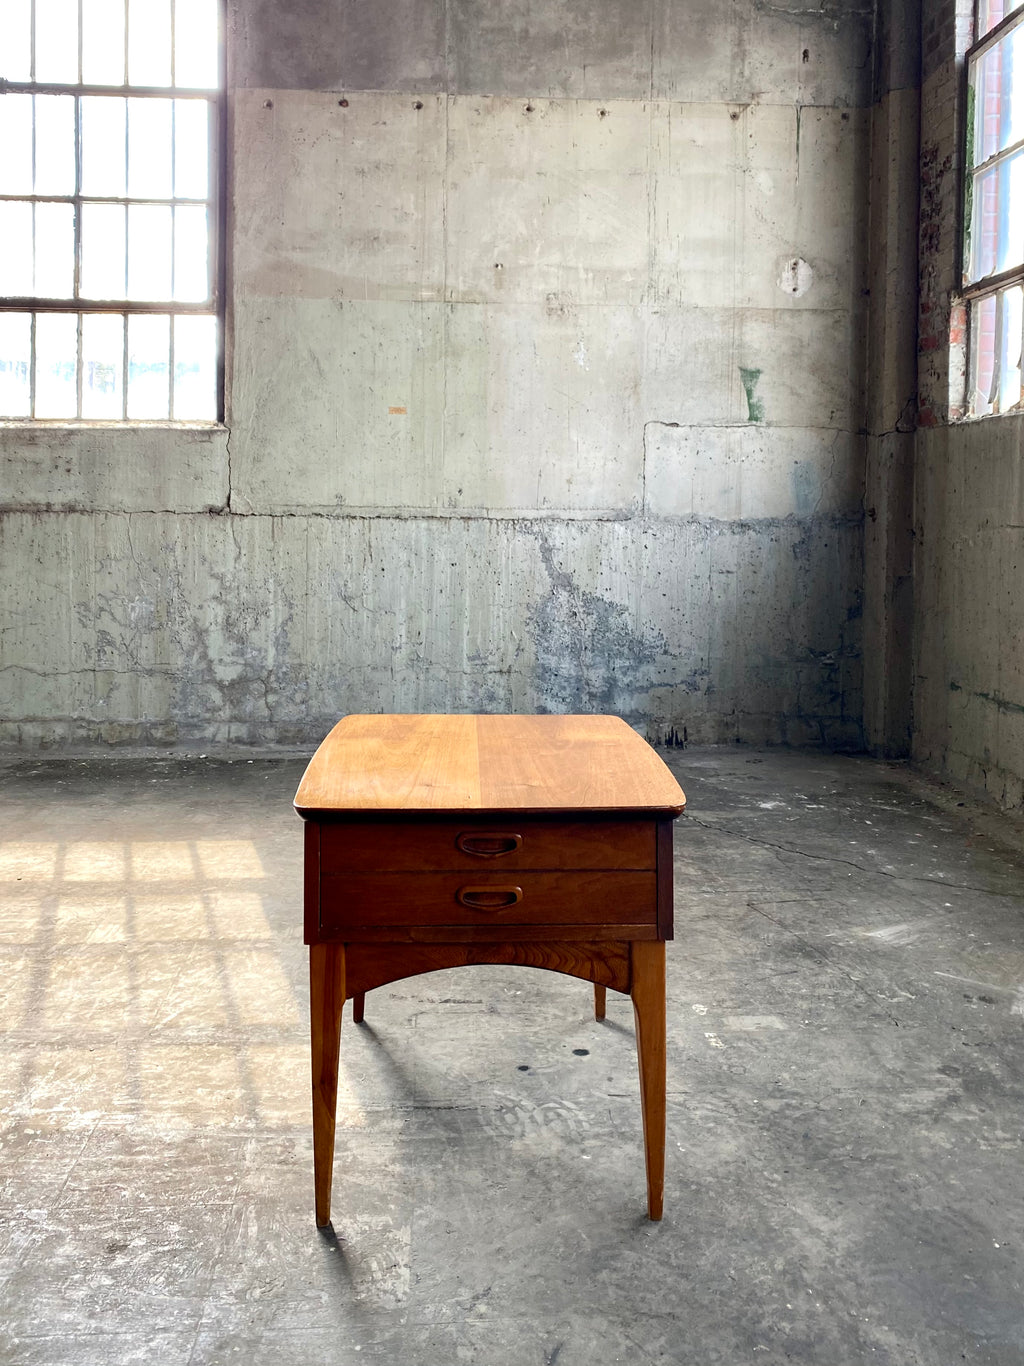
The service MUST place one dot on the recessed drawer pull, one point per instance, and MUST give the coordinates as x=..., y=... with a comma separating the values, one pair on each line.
x=487, y=843
x=488, y=898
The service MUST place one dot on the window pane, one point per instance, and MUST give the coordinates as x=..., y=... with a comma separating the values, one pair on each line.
x=103, y=42
x=16, y=39
x=16, y=144
x=15, y=359
x=990, y=12
x=998, y=79
x=103, y=366
x=57, y=41
x=983, y=79
x=56, y=365
x=149, y=340
x=195, y=369
x=997, y=218
x=103, y=251
x=149, y=251
x=984, y=219
x=191, y=282
x=995, y=376
x=55, y=144
x=103, y=145
x=1009, y=343
x=1011, y=226
x=196, y=49
x=16, y=256
x=149, y=149
x=983, y=354
x=149, y=42
x=55, y=251
x=191, y=149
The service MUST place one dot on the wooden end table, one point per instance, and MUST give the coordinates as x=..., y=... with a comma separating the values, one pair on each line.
x=442, y=841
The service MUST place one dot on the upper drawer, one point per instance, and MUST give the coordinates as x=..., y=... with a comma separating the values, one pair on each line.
x=438, y=846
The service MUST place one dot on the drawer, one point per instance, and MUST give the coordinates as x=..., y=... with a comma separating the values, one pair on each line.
x=486, y=899
x=505, y=843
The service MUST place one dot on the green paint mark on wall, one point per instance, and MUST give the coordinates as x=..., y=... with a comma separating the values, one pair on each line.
x=755, y=406
x=1002, y=703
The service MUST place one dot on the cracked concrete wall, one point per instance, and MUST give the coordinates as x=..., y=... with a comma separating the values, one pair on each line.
x=547, y=393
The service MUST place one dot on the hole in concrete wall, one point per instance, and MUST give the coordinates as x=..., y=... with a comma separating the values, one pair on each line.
x=795, y=277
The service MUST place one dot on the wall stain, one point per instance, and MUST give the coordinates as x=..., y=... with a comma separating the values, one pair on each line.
x=587, y=655
x=1000, y=703
x=263, y=630
x=755, y=405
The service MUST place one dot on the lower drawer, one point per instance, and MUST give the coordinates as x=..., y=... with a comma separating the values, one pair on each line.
x=553, y=898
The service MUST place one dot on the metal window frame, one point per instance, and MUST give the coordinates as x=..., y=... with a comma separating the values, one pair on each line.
x=974, y=293
x=988, y=284
x=215, y=203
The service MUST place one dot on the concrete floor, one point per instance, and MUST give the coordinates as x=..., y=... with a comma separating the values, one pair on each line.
x=846, y=1094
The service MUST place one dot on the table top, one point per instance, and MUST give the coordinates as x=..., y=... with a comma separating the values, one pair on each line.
x=458, y=764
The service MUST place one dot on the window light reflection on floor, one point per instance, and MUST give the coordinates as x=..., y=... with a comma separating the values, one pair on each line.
x=150, y=969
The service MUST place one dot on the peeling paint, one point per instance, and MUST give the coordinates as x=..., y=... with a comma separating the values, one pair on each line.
x=260, y=630
x=589, y=655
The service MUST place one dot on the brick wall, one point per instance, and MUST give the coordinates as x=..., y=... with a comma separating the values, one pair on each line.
x=947, y=27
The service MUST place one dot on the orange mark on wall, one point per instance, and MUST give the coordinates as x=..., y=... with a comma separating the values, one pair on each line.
x=397, y=410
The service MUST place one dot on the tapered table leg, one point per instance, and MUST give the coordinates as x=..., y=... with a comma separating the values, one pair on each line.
x=599, y=1001
x=358, y=1006
x=649, y=1011
x=326, y=998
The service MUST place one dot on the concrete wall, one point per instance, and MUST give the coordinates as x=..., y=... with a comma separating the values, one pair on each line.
x=969, y=489
x=547, y=335
x=969, y=698
x=892, y=381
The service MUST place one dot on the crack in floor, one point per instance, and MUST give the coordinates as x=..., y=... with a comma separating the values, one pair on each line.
x=823, y=957
x=850, y=863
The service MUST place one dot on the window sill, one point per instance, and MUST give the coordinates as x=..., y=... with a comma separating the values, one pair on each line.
x=49, y=426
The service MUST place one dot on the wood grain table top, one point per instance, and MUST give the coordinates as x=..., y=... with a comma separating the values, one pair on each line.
x=458, y=764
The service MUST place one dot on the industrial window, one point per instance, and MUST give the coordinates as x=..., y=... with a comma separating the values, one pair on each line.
x=110, y=268
x=994, y=207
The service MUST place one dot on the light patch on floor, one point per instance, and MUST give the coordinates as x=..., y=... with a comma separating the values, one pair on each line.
x=238, y=915
x=894, y=935
x=95, y=861
x=24, y=861
x=163, y=859
x=229, y=859
x=91, y=917
x=21, y=913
